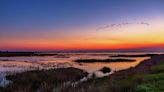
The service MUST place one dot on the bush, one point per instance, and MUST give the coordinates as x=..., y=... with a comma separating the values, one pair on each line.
x=105, y=70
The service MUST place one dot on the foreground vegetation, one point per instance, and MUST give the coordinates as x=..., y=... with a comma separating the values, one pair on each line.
x=43, y=80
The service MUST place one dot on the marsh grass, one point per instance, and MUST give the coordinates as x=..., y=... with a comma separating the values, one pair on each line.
x=140, y=55
x=103, y=60
x=43, y=80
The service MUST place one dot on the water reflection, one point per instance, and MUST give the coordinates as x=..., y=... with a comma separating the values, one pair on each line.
x=115, y=66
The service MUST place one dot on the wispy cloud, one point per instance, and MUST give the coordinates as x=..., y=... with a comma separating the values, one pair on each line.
x=123, y=24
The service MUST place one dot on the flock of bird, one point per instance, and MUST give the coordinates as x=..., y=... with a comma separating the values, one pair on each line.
x=121, y=25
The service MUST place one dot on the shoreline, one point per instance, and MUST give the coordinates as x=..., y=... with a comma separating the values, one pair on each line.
x=144, y=66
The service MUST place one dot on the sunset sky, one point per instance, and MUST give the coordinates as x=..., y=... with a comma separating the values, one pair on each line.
x=81, y=24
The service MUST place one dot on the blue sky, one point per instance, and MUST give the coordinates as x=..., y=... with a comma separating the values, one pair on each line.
x=63, y=13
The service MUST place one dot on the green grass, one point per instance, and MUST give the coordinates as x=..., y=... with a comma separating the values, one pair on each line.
x=153, y=82
x=154, y=86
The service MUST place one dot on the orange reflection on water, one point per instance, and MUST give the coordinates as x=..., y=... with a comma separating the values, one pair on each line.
x=115, y=66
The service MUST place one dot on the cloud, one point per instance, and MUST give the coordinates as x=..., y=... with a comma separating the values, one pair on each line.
x=119, y=25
